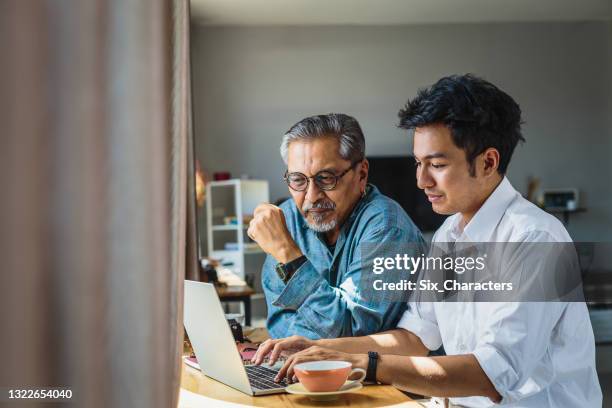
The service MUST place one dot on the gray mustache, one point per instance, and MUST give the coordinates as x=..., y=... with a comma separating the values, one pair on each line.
x=326, y=205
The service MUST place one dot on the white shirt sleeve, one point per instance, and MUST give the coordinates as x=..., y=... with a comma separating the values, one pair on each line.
x=420, y=319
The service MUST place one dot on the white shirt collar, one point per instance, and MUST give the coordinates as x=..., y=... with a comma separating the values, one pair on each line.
x=485, y=221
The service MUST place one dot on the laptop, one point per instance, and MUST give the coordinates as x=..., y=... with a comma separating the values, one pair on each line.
x=214, y=345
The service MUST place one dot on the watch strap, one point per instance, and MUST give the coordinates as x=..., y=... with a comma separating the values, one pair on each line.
x=372, y=365
x=285, y=271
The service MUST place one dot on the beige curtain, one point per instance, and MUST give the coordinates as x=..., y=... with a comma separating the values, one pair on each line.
x=96, y=200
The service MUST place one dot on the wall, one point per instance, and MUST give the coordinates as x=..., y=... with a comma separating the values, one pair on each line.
x=251, y=84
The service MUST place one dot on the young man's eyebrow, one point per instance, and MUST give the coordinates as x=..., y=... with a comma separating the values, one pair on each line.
x=434, y=156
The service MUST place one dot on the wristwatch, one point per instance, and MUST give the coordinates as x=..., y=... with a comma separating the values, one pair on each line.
x=281, y=271
x=372, y=363
x=285, y=271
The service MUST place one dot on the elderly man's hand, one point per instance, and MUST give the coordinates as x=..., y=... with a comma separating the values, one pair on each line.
x=269, y=229
x=316, y=353
x=274, y=347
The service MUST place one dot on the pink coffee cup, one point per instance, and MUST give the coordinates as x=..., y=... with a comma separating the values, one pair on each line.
x=326, y=376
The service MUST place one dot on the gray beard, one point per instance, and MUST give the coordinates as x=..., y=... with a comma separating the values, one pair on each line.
x=319, y=226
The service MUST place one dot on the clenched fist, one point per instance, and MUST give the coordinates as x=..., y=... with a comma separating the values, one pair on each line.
x=269, y=229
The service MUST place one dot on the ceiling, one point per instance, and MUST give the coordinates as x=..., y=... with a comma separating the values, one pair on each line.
x=393, y=12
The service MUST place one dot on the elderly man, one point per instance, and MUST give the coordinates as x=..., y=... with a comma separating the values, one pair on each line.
x=323, y=239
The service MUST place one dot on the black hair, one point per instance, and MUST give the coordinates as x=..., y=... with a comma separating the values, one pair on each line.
x=478, y=114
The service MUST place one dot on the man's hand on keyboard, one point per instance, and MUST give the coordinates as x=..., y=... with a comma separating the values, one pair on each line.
x=275, y=347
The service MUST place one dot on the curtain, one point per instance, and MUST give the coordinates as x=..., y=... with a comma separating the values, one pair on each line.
x=97, y=210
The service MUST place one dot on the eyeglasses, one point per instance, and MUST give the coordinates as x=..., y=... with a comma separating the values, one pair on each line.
x=325, y=180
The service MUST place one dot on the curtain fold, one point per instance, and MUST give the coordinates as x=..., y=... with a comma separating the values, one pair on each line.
x=185, y=254
x=97, y=212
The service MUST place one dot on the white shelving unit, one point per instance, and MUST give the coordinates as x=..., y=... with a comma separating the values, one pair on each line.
x=234, y=198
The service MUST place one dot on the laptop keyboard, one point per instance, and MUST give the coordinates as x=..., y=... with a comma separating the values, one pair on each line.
x=263, y=378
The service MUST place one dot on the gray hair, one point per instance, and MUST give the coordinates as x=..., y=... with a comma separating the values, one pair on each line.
x=343, y=127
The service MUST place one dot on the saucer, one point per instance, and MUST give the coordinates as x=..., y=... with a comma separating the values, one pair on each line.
x=298, y=389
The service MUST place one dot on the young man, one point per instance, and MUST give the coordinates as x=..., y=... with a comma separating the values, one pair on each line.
x=523, y=354
x=320, y=240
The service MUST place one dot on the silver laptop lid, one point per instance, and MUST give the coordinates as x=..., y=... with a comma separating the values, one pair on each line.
x=211, y=337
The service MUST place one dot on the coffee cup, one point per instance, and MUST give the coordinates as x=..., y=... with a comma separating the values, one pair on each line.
x=326, y=376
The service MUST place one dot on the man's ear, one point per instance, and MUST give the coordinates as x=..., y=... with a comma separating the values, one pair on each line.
x=363, y=170
x=490, y=161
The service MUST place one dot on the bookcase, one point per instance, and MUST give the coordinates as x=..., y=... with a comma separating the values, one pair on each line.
x=229, y=207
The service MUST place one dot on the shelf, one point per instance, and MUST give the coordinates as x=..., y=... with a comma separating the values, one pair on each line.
x=254, y=251
x=224, y=183
x=565, y=212
x=228, y=227
x=237, y=182
x=237, y=251
x=558, y=210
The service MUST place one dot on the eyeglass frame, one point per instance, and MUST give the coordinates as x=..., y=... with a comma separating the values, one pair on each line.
x=337, y=178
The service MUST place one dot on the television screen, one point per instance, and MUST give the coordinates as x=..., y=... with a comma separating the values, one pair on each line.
x=395, y=177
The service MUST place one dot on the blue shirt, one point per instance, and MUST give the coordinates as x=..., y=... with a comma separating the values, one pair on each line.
x=323, y=298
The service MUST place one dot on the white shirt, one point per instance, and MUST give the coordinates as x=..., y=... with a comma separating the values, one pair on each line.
x=536, y=354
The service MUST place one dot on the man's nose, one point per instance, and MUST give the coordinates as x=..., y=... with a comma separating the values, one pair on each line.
x=313, y=192
x=424, y=179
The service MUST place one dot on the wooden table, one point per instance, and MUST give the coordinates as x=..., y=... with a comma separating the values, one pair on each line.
x=237, y=294
x=369, y=396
